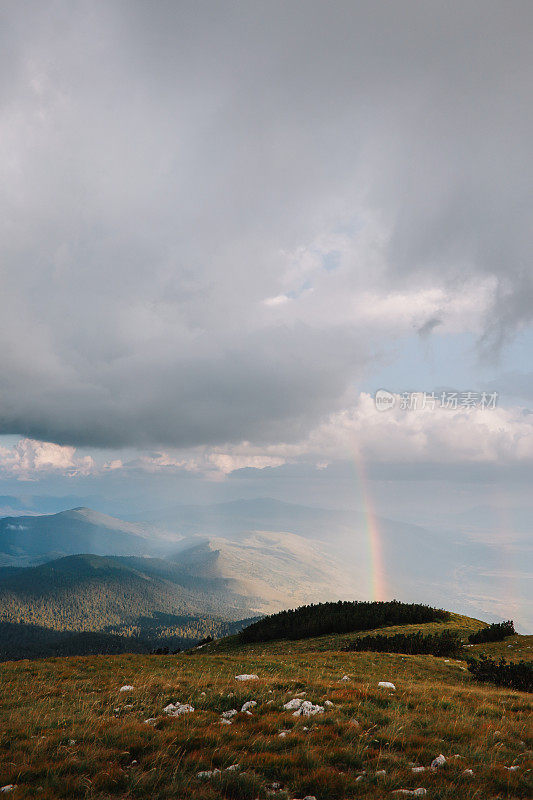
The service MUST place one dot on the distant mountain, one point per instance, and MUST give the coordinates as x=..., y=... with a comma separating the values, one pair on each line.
x=272, y=570
x=27, y=540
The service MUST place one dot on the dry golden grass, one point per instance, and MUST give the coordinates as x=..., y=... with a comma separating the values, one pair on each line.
x=67, y=732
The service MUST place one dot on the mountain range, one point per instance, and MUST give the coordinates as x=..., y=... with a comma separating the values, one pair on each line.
x=182, y=573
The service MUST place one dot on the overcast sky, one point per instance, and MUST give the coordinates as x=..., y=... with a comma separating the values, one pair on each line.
x=224, y=226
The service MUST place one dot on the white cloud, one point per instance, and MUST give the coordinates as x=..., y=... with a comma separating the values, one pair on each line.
x=29, y=459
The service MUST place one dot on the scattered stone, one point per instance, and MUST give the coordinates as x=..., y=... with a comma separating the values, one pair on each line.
x=246, y=677
x=514, y=768
x=418, y=769
x=151, y=721
x=420, y=792
x=10, y=787
x=233, y=768
x=309, y=797
x=229, y=714
x=296, y=702
x=328, y=703
x=208, y=773
x=177, y=709
x=380, y=773
x=247, y=706
x=468, y=773
x=72, y=742
x=355, y=724
x=202, y=694
x=283, y=734
x=225, y=722
x=345, y=678
x=438, y=762
x=387, y=685
x=359, y=778
x=126, y=688
x=308, y=709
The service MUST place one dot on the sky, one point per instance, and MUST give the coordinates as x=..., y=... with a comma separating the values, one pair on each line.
x=225, y=226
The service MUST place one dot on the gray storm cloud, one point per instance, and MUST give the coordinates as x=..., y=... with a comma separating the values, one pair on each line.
x=161, y=161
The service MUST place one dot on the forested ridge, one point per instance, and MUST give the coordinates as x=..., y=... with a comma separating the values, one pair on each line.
x=341, y=617
x=92, y=604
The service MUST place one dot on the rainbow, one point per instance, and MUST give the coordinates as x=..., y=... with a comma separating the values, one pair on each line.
x=376, y=572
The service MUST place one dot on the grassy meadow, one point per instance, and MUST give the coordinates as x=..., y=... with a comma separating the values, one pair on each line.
x=68, y=732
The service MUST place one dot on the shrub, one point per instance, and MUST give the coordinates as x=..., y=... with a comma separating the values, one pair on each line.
x=493, y=633
x=513, y=675
x=342, y=617
x=446, y=643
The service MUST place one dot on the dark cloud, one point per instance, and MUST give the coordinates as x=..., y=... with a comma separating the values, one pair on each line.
x=161, y=160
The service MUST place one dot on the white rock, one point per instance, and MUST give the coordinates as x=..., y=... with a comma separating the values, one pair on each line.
x=387, y=685
x=126, y=688
x=359, y=778
x=418, y=769
x=202, y=694
x=438, y=762
x=309, y=797
x=177, y=709
x=380, y=773
x=10, y=787
x=296, y=702
x=246, y=677
x=308, y=709
x=514, y=768
x=151, y=721
x=247, y=706
x=233, y=768
x=208, y=773
x=328, y=703
x=345, y=678
x=421, y=792
x=468, y=773
x=229, y=714
x=283, y=734
x=225, y=722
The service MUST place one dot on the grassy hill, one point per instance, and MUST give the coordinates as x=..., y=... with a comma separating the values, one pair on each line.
x=69, y=730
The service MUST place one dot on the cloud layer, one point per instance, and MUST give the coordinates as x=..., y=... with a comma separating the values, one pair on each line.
x=215, y=218
x=453, y=438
